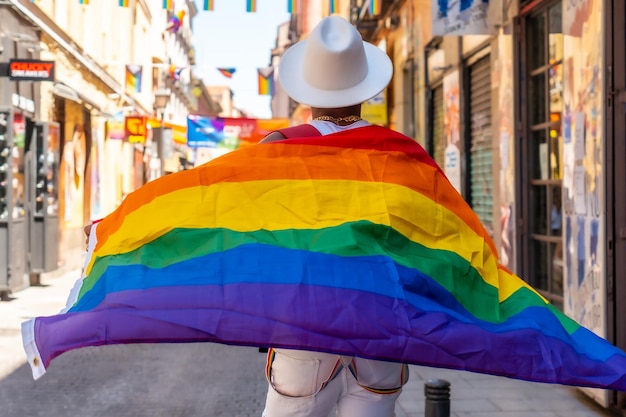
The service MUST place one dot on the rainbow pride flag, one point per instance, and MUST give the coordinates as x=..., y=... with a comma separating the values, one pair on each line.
x=353, y=243
x=209, y=5
x=168, y=4
x=227, y=72
x=124, y=3
x=292, y=6
x=265, y=78
x=375, y=7
x=251, y=5
x=333, y=6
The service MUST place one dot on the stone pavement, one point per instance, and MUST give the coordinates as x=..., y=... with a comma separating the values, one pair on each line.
x=472, y=395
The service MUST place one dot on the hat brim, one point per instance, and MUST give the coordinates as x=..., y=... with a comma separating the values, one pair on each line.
x=290, y=75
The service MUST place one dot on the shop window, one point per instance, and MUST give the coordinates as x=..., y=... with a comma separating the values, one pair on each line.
x=5, y=152
x=542, y=142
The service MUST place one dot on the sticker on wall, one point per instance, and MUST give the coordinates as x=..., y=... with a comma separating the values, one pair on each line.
x=461, y=17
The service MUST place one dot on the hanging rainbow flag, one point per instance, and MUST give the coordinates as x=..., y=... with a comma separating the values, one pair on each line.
x=251, y=5
x=365, y=215
x=133, y=78
x=209, y=5
x=375, y=7
x=168, y=4
x=292, y=6
x=266, y=80
x=333, y=6
x=227, y=72
x=174, y=72
x=124, y=3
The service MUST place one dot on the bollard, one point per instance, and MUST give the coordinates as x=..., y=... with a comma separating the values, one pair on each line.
x=437, y=393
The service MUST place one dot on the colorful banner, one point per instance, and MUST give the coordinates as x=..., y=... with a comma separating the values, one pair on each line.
x=227, y=72
x=292, y=6
x=124, y=3
x=83, y=2
x=266, y=81
x=376, y=7
x=229, y=133
x=209, y=5
x=115, y=129
x=251, y=5
x=168, y=4
x=133, y=78
x=467, y=17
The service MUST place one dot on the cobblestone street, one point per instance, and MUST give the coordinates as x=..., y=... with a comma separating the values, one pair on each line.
x=190, y=380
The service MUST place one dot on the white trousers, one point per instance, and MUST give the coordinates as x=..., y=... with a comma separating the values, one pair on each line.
x=296, y=388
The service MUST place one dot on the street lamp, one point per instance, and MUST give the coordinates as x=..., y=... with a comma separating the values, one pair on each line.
x=161, y=98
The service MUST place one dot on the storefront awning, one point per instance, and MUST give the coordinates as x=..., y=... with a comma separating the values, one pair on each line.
x=179, y=133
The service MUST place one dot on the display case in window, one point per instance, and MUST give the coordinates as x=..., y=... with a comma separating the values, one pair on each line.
x=44, y=221
x=12, y=205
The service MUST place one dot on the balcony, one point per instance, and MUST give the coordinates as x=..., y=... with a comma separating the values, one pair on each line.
x=369, y=25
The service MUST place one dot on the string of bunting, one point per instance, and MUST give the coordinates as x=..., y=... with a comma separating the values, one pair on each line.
x=375, y=6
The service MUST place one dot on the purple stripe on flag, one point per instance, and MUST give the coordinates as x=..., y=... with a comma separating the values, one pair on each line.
x=362, y=324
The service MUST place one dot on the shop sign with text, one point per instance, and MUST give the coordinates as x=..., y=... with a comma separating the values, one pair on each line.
x=136, y=129
x=31, y=70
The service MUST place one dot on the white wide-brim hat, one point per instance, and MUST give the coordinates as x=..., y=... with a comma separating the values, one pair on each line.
x=334, y=67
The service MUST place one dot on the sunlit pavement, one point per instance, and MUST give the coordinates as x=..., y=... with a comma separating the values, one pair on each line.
x=213, y=380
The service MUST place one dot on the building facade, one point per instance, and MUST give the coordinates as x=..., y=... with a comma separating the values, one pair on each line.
x=70, y=155
x=521, y=103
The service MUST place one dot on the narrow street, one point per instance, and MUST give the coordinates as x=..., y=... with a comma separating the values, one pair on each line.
x=190, y=380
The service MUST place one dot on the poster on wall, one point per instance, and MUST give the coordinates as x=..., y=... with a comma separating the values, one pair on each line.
x=452, y=129
x=583, y=174
x=461, y=17
x=374, y=110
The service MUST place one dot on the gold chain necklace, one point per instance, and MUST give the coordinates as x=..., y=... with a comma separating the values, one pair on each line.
x=337, y=120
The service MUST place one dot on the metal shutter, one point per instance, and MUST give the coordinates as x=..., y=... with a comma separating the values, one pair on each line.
x=439, y=140
x=481, y=175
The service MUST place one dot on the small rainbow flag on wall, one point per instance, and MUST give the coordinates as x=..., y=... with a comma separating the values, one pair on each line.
x=251, y=5
x=292, y=6
x=168, y=4
x=266, y=81
x=124, y=3
x=375, y=7
x=333, y=6
x=209, y=5
x=363, y=215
